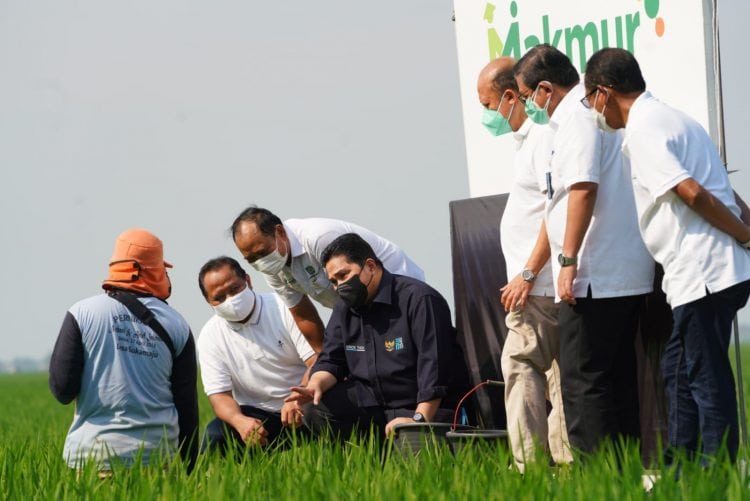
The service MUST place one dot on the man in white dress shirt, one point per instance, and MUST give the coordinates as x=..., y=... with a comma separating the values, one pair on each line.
x=531, y=349
x=696, y=226
x=251, y=352
x=601, y=266
x=288, y=254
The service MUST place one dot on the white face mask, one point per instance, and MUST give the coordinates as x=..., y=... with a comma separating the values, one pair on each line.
x=238, y=307
x=271, y=264
x=600, y=119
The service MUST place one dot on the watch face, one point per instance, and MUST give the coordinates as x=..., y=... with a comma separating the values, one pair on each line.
x=528, y=275
x=418, y=418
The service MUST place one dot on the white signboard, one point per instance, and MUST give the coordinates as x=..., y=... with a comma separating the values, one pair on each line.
x=673, y=41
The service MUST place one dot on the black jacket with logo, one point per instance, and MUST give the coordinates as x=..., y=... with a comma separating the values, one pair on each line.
x=399, y=350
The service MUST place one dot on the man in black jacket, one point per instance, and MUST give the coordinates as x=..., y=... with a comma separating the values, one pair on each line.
x=390, y=354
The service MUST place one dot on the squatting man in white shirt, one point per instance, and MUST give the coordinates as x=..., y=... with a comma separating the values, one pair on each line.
x=251, y=352
x=532, y=347
x=696, y=226
x=288, y=254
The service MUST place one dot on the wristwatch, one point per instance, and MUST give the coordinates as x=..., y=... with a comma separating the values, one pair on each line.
x=567, y=261
x=528, y=275
x=419, y=418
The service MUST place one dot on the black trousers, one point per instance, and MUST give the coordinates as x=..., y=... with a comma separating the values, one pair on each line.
x=598, y=369
x=218, y=432
x=340, y=414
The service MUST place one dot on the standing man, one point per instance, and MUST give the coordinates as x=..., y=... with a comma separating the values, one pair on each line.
x=289, y=254
x=600, y=263
x=390, y=354
x=696, y=227
x=134, y=389
x=532, y=347
x=251, y=352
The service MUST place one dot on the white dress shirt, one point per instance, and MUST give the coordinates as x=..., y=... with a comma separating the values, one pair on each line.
x=613, y=260
x=257, y=361
x=524, y=212
x=666, y=147
x=307, y=276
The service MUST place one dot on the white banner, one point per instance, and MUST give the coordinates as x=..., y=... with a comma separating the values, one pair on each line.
x=673, y=41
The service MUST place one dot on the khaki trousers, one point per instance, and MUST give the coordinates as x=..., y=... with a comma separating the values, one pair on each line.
x=532, y=375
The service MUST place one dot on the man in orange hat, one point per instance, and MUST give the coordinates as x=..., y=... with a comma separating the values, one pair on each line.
x=128, y=360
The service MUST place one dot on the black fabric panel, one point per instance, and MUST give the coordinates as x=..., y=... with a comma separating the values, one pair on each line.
x=66, y=363
x=478, y=274
x=184, y=382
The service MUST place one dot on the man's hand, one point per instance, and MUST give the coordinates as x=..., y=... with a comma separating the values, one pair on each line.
x=251, y=431
x=565, y=283
x=291, y=414
x=304, y=394
x=513, y=296
x=393, y=422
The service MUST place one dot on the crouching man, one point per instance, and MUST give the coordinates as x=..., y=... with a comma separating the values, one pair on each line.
x=389, y=355
x=250, y=352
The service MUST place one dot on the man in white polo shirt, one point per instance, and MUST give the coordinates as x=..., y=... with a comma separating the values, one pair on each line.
x=288, y=254
x=696, y=226
x=532, y=346
x=601, y=265
x=251, y=353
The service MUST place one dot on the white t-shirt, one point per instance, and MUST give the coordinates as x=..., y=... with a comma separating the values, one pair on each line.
x=522, y=218
x=308, y=239
x=613, y=259
x=257, y=361
x=666, y=147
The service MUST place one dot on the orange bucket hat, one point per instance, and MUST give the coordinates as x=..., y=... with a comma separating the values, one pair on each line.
x=138, y=264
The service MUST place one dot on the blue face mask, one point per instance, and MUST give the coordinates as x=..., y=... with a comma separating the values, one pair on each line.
x=535, y=113
x=495, y=122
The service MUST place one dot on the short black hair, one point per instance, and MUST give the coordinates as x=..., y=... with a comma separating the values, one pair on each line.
x=264, y=218
x=504, y=80
x=615, y=68
x=216, y=264
x=545, y=62
x=353, y=247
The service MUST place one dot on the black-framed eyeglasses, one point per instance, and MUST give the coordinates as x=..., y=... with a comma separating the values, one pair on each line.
x=522, y=98
x=585, y=99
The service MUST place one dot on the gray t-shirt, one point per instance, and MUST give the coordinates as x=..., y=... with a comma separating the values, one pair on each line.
x=125, y=402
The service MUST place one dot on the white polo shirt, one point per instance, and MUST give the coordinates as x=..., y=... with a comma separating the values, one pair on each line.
x=257, y=361
x=666, y=147
x=613, y=259
x=522, y=218
x=307, y=276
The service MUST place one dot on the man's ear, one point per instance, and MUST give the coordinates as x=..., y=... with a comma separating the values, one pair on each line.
x=546, y=87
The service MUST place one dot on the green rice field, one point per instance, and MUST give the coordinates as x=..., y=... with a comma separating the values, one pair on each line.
x=33, y=426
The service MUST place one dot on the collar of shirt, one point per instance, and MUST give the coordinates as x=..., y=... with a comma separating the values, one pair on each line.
x=635, y=109
x=522, y=133
x=294, y=243
x=569, y=104
x=254, y=316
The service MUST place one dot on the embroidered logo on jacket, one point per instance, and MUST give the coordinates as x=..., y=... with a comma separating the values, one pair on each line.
x=394, y=344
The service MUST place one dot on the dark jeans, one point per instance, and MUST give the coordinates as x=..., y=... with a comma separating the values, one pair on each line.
x=699, y=381
x=598, y=369
x=339, y=413
x=218, y=432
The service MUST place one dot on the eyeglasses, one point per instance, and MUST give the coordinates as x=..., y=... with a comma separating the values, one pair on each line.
x=585, y=99
x=523, y=98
